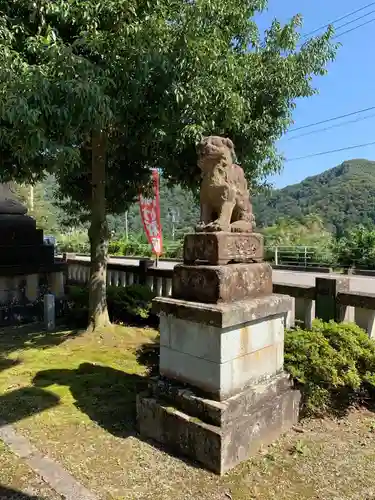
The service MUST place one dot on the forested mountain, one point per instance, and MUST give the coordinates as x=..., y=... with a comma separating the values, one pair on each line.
x=179, y=212
x=343, y=197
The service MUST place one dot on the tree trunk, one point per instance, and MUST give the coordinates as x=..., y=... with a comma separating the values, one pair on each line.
x=99, y=236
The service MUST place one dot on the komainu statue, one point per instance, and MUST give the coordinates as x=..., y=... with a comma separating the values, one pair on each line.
x=224, y=196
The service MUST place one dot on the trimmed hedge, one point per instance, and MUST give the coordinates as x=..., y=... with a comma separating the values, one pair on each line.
x=333, y=365
x=130, y=304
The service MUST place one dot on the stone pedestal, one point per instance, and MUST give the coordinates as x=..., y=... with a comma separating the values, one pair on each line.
x=214, y=284
x=222, y=248
x=222, y=391
x=27, y=266
x=219, y=435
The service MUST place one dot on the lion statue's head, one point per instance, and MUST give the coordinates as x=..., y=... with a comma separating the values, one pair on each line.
x=214, y=150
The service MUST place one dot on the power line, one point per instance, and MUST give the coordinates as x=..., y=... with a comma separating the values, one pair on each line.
x=354, y=20
x=331, y=119
x=353, y=29
x=339, y=19
x=339, y=35
x=330, y=152
x=338, y=125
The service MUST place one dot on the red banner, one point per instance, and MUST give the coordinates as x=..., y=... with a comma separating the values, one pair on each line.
x=150, y=213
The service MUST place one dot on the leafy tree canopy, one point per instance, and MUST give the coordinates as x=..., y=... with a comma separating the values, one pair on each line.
x=100, y=91
x=156, y=75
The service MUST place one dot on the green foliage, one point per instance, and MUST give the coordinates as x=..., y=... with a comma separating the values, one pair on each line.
x=308, y=232
x=155, y=76
x=179, y=212
x=130, y=304
x=138, y=247
x=343, y=197
x=115, y=247
x=39, y=205
x=75, y=241
x=97, y=92
x=357, y=247
x=334, y=364
x=133, y=301
x=174, y=249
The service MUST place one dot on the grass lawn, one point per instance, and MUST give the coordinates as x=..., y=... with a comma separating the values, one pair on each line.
x=15, y=476
x=73, y=396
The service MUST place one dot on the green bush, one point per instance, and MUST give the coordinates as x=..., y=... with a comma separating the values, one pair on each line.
x=136, y=246
x=334, y=365
x=130, y=304
x=357, y=248
x=115, y=247
x=133, y=301
x=76, y=241
x=173, y=249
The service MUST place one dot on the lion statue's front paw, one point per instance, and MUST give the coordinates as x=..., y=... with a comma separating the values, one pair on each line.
x=200, y=227
x=215, y=227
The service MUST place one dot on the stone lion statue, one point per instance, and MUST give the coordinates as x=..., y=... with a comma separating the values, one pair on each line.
x=224, y=196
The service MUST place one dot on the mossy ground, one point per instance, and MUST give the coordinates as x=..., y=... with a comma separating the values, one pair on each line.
x=73, y=396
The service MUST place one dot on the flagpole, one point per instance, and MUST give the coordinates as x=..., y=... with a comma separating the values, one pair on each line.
x=150, y=214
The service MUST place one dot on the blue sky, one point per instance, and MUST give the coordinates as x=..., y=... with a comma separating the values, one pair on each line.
x=348, y=87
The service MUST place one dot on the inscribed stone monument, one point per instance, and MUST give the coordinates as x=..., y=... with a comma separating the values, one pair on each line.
x=25, y=261
x=21, y=242
x=221, y=392
x=13, y=214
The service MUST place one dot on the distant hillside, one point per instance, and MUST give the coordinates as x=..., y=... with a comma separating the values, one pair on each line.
x=343, y=196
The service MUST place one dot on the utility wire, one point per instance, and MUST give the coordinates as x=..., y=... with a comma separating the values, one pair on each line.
x=353, y=29
x=338, y=125
x=353, y=21
x=332, y=151
x=339, y=35
x=339, y=19
x=331, y=119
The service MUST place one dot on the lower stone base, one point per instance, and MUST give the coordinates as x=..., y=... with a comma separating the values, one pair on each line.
x=219, y=435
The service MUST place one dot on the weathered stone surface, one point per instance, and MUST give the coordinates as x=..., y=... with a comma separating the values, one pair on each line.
x=214, y=284
x=326, y=304
x=240, y=346
x=221, y=362
x=258, y=421
x=223, y=247
x=365, y=318
x=20, y=226
x=220, y=413
x=222, y=380
x=18, y=255
x=9, y=202
x=220, y=345
x=224, y=315
x=224, y=196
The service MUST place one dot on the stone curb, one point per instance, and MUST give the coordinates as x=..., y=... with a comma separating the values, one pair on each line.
x=51, y=472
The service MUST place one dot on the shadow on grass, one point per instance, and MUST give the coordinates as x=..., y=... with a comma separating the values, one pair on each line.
x=13, y=338
x=106, y=395
x=25, y=402
x=148, y=356
x=5, y=364
x=11, y=494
